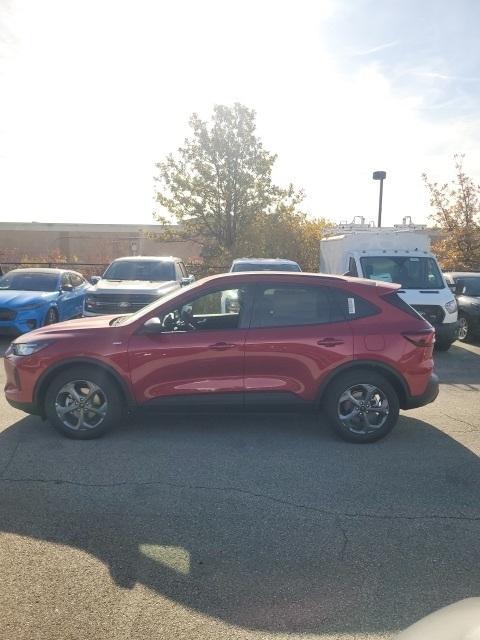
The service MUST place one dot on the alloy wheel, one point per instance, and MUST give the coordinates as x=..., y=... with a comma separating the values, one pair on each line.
x=462, y=328
x=363, y=408
x=81, y=405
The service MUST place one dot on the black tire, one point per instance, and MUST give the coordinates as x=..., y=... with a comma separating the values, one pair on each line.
x=464, y=328
x=360, y=381
x=443, y=345
x=105, y=408
x=51, y=317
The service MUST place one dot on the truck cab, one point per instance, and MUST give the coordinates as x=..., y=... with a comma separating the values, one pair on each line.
x=401, y=256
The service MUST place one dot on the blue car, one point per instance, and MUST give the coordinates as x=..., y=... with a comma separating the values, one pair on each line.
x=32, y=298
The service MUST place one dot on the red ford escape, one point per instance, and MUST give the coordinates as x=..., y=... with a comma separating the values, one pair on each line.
x=349, y=347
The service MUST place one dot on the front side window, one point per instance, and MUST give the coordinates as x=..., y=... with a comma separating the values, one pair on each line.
x=25, y=281
x=217, y=310
x=410, y=272
x=352, y=268
x=469, y=286
x=140, y=270
x=76, y=280
x=287, y=305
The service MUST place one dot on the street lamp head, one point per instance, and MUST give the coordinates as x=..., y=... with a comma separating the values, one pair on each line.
x=379, y=175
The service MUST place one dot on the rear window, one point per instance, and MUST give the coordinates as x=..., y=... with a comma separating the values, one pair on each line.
x=264, y=266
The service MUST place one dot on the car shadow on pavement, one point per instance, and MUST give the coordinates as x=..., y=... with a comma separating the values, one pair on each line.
x=267, y=523
x=459, y=365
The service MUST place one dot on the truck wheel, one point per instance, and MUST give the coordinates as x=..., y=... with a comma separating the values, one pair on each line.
x=83, y=403
x=362, y=406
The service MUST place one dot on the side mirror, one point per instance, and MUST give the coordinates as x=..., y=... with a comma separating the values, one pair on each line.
x=95, y=279
x=452, y=286
x=188, y=280
x=66, y=288
x=152, y=325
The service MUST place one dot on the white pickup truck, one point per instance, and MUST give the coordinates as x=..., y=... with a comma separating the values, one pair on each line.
x=131, y=283
x=400, y=255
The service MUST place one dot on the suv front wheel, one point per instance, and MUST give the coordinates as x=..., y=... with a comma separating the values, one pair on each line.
x=362, y=406
x=83, y=403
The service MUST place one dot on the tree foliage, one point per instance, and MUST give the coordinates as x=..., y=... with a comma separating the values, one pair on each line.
x=218, y=186
x=456, y=213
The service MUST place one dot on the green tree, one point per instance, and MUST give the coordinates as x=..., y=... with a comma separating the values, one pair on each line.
x=456, y=212
x=218, y=186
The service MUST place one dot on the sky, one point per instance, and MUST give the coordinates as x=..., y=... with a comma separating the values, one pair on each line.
x=93, y=93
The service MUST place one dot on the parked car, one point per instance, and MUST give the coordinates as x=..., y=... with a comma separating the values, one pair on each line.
x=296, y=341
x=32, y=298
x=241, y=265
x=129, y=284
x=466, y=287
x=263, y=264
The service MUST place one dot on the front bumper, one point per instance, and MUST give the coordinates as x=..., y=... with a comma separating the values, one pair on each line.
x=428, y=396
x=446, y=332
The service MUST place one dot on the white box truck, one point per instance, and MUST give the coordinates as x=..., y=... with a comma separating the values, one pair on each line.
x=398, y=254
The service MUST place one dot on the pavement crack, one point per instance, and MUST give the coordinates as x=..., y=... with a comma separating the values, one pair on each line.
x=10, y=460
x=261, y=496
x=345, y=541
x=469, y=424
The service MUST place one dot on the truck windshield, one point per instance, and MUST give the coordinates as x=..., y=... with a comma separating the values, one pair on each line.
x=408, y=271
x=140, y=270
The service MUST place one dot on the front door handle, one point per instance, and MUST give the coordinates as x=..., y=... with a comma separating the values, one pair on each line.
x=222, y=346
x=330, y=342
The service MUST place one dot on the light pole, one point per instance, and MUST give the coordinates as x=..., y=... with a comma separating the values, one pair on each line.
x=380, y=175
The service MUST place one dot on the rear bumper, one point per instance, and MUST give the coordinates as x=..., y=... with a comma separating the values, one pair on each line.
x=446, y=332
x=429, y=395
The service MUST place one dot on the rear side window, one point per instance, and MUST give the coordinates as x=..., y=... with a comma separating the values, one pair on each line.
x=288, y=306
x=353, y=307
x=395, y=300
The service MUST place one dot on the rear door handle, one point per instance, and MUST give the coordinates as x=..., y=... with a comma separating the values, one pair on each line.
x=222, y=346
x=329, y=342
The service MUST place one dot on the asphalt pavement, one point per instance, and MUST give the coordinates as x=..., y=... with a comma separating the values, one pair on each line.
x=241, y=527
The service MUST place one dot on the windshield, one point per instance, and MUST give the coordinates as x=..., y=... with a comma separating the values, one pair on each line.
x=25, y=281
x=265, y=266
x=141, y=270
x=469, y=286
x=408, y=271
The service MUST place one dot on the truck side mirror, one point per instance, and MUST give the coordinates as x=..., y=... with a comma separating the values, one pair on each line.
x=188, y=280
x=95, y=279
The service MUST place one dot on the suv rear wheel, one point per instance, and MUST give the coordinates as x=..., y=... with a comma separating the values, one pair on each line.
x=362, y=406
x=83, y=403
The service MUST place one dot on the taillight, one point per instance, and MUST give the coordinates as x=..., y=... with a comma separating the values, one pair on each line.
x=422, y=338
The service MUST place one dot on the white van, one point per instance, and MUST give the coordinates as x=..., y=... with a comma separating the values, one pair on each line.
x=400, y=255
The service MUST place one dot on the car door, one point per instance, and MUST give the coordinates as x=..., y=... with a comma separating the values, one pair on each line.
x=298, y=335
x=197, y=357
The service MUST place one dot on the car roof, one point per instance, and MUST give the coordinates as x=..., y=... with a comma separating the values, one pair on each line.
x=148, y=258
x=46, y=270
x=263, y=261
x=298, y=276
x=462, y=274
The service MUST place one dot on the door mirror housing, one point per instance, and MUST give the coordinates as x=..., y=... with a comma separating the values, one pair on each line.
x=152, y=325
x=66, y=288
x=95, y=280
x=188, y=280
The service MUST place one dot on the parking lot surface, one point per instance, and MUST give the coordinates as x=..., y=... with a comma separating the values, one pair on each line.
x=234, y=526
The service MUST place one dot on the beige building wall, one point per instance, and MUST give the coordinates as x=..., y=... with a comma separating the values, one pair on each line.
x=95, y=243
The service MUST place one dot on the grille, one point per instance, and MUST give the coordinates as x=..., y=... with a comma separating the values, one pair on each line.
x=431, y=313
x=7, y=314
x=118, y=303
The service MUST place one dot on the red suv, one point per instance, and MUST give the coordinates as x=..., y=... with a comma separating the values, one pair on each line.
x=350, y=347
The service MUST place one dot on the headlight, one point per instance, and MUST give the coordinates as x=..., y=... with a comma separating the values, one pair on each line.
x=90, y=301
x=30, y=307
x=451, y=306
x=28, y=348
